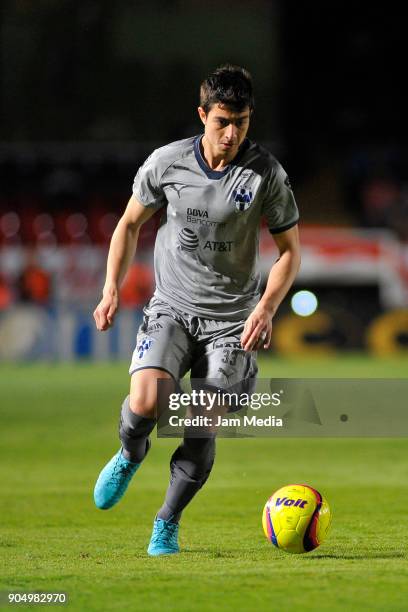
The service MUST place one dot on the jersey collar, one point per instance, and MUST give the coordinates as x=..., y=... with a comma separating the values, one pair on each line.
x=217, y=174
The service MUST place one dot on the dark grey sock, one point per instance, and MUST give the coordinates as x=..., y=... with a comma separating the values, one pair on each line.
x=134, y=433
x=190, y=467
x=167, y=514
x=134, y=456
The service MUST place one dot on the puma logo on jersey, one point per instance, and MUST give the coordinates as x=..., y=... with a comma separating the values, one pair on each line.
x=177, y=189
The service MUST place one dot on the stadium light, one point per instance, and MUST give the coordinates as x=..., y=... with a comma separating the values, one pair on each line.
x=304, y=303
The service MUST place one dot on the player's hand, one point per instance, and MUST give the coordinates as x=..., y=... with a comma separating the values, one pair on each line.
x=257, y=330
x=104, y=313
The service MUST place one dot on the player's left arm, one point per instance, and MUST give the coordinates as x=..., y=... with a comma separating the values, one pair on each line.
x=258, y=327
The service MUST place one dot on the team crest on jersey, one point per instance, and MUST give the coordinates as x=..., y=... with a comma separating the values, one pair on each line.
x=242, y=197
x=144, y=346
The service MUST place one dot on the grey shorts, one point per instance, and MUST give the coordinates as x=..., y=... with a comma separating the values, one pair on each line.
x=178, y=342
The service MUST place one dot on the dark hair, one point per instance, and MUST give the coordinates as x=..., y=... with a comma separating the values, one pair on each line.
x=229, y=85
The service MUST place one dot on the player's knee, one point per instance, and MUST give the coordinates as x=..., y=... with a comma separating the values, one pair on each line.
x=144, y=405
x=149, y=392
x=143, y=397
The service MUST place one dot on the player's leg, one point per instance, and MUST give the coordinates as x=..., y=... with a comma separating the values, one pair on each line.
x=140, y=410
x=220, y=363
x=190, y=467
x=161, y=354
x=137, y=420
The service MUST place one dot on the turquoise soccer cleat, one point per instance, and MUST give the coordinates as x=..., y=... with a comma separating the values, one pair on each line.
x=164, y=538
x=113, y=481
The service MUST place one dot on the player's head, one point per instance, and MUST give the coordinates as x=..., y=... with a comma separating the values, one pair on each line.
x=229, y=86
x=226, y=104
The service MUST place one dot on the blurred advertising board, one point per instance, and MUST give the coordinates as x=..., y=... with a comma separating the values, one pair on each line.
x=360, y=278
x=349, y=256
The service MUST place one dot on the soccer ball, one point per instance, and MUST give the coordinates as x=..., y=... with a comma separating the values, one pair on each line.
x=296, y=518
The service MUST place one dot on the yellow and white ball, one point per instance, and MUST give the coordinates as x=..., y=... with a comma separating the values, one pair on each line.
x=296, y=518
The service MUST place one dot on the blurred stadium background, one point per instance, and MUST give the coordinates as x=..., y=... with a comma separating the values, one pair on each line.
x=89, y=89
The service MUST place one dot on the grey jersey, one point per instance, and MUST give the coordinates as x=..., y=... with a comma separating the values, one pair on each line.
x=206, y=250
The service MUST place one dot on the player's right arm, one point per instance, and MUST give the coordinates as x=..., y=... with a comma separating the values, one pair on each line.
x=121, y=253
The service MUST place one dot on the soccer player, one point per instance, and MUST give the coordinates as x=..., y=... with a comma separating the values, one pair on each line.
x=206, y=314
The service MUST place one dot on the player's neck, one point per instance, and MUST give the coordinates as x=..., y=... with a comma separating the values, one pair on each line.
x=214, y=160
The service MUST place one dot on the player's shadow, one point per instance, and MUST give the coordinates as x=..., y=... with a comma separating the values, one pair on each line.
x=232, y=553
x=397, y=554
x=214, y=554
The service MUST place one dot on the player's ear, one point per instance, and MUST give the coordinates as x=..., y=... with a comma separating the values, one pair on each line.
x=203, y=114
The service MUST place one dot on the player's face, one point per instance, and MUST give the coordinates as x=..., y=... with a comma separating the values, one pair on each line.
x=224, y=129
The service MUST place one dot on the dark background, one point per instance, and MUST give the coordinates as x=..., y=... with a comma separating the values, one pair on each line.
x=327, y=74
x=329, y=83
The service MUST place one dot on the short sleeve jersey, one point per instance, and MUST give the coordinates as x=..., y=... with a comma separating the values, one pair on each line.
x=206, y=250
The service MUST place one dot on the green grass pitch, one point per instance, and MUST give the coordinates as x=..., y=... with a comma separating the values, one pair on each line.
x=59, y=427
